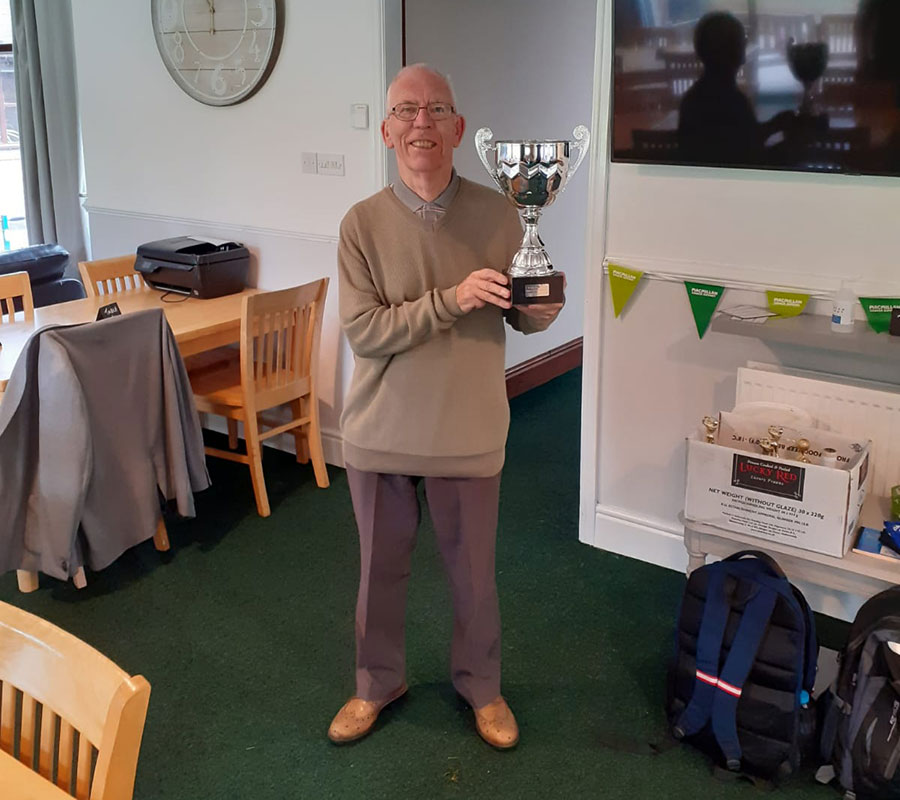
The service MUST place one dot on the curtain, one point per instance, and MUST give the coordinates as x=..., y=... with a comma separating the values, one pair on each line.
x=50, y=134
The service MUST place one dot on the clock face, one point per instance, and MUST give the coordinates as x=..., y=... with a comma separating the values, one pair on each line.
x=219, y=51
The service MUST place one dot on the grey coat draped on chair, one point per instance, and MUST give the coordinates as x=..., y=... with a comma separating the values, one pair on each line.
x=97, y=423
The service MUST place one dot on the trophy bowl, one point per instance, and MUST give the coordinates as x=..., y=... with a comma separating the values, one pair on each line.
x=531, y=173
x=807, y=62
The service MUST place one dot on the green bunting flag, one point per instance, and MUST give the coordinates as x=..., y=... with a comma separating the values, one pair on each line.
x=704, y=298
x=878, y=311
x=622, y=283
x=786, y=304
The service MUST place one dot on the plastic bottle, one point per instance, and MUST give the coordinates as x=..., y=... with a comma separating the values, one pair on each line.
x=842, y=310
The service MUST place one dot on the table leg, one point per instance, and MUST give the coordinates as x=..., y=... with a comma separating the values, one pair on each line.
x=696, y=554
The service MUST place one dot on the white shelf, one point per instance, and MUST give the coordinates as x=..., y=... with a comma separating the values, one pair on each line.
x=854, y=573
x=813, y=330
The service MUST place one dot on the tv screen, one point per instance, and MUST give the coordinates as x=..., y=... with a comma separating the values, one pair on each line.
x=774, y=84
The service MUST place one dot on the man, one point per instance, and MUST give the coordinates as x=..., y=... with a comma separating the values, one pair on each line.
x=422, y=303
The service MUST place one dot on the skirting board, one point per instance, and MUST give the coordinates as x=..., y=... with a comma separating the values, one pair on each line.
x=619, y=532
x=543, y=368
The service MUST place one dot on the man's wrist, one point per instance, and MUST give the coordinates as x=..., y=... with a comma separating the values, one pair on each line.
x=451, y=301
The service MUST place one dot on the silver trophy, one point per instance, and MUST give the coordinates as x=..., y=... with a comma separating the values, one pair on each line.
x=531, y=173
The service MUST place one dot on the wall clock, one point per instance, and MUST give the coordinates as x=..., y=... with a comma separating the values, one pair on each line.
x=218, y=51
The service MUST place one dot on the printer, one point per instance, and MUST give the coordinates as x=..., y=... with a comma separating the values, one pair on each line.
x=194, y=265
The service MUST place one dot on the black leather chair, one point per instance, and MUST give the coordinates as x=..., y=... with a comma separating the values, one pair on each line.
x=45, y=265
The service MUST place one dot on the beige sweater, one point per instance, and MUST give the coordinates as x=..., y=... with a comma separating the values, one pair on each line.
x=428, y=395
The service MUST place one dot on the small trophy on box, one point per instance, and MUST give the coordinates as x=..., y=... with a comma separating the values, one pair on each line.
x=712, y=425
x=768, y=447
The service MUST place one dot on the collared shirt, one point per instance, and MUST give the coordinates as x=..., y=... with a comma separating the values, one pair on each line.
x=429, y=211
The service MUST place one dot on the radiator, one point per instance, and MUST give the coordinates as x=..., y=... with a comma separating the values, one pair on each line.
x=858, y=409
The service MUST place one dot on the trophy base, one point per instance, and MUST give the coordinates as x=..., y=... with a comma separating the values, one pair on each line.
x=536, y=289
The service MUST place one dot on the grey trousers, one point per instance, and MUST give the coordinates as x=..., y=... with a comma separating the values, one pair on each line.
x=464, y=513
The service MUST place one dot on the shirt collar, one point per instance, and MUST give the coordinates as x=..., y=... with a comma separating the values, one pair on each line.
x=413, y=202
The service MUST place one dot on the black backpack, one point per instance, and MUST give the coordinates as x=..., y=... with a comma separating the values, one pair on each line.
x=861, y=719
x=741, y=681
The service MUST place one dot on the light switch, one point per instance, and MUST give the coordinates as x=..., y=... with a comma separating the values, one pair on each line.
x=330, y=163
x=308, y=163
x=359, y=115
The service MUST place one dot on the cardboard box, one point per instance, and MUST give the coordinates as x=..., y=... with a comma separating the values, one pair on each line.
x=778, y=499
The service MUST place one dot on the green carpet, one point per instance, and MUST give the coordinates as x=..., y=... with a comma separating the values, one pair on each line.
x=245, y=632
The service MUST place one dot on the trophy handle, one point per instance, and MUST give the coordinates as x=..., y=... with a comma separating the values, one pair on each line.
x=482, y=145
x=582, y=142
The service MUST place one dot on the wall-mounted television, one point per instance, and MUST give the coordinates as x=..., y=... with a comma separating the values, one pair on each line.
x=810, y=85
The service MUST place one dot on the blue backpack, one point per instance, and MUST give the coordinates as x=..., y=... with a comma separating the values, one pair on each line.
x=741, y=681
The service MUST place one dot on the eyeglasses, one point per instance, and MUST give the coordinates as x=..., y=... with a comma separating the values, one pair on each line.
x=407, y=112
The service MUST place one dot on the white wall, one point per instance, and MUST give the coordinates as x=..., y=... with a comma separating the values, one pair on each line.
x=523, y=68
x=160, y=164
x=150, y=148
x=648, y=378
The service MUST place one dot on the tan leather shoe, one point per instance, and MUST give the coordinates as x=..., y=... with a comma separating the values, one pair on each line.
x=497, y=725
x=357, y=717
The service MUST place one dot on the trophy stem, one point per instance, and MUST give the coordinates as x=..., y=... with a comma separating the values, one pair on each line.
x=531, y=258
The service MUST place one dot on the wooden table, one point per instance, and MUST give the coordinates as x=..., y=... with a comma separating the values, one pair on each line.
x=198, y=325
x=17, y=782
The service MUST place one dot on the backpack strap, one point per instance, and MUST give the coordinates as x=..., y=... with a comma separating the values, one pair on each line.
x=709, y=643
x=752, y=628
x=763, y=562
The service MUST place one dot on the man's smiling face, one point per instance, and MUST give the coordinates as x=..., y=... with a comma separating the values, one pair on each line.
x=424, y=146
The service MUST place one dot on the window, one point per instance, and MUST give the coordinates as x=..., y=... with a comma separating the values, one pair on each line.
x=12, y=195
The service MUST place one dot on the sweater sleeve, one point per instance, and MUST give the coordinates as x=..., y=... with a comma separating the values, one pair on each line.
x=374, y=328
x=525, y=324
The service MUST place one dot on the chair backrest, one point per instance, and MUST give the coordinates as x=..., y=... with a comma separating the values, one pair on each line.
x=839, y=32
x=15, y=290
x=81, y=717
x=682, y=69
x=280, y=334
x=110, y=275
x=773, y=31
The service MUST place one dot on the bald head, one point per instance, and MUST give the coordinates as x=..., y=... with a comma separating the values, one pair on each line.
x=413, y=70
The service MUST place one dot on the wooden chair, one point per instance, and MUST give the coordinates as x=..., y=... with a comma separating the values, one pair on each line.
x=110, y=276
x=839, y=32
x=773, y=31
x=681, y=69
x=15, y=289
x=279, y=356
x=66, y=711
